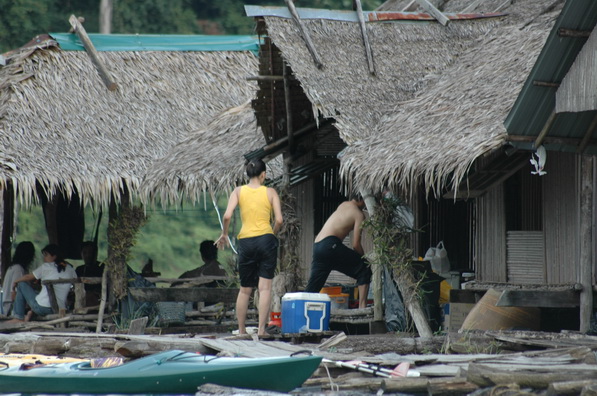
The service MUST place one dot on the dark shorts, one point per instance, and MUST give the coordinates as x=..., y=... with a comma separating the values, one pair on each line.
x=257, y=258
x=331, y=254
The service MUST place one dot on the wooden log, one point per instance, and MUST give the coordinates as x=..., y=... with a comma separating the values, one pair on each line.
x=92, y=52
x=568, y=387
x=304, y=33
x=456, y=387
x=194, y=294
x=368, y=51
x=485, y=376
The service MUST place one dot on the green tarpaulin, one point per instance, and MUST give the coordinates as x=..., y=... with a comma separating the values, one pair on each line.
x=148, y=42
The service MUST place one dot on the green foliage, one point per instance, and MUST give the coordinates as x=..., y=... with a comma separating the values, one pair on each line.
x=171, y=236
x=21, y=20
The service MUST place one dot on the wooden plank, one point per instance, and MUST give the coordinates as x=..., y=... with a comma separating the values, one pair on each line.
x=539, y=298
x=192, y=294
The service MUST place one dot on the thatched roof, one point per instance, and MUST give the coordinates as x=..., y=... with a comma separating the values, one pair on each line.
x=404, y=53
x=210, y=158
x=60, y=127
x=436, y=137
x=439, y=97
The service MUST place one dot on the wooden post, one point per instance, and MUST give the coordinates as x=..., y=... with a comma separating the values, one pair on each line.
x=8, y=210
x=304, y=33
x=586, y=242
x=289, y=128
x=92, y=52
x=102, y=308
x=368, y=51
x=412, y=303
x=377, y=283
x=434, y=12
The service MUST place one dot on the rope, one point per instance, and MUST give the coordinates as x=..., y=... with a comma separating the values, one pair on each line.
x=213, y=200
x=333, y=387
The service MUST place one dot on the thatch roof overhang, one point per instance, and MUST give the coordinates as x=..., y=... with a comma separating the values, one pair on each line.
x=60, y=127
x=208, y=160
x=533, y=120
x=404, y=53
x=436, y=137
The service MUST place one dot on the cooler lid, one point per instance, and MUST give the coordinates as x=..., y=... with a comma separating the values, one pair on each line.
x=306, y=296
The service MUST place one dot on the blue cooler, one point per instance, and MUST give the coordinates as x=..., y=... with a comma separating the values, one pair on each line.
x=305, y=312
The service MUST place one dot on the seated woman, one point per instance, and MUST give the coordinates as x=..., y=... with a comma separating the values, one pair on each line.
x=54, y=267
x=22, y=259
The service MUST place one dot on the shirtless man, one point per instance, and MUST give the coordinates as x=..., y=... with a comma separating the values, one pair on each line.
x=329, y=253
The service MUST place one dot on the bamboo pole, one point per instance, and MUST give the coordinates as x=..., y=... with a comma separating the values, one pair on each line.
x=304, y=33
x=92, y=52
x=368, y=51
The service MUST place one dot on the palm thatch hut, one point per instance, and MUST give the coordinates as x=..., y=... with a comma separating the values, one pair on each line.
x=64, y=134
x=409, y=58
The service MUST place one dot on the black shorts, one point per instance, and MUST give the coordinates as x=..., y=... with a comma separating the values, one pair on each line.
x=257, y=258
x=331, y=254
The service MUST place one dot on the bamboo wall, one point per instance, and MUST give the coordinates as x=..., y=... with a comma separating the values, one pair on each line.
x=559, y=234
x=490, y=262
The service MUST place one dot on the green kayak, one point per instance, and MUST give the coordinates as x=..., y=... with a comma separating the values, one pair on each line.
x=166, y=372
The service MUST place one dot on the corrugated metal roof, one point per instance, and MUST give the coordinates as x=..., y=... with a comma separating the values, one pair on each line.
x=351, y=16
x=158, y=42
x=535, y=104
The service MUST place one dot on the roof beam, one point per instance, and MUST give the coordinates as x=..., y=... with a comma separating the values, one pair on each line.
x=546, y=84
x=304, y=33
x=92, y=52
x=564, y=141
x=368, y=51
x=437, y=14
x=546, y=128
x=587, y=137
x=563, y=32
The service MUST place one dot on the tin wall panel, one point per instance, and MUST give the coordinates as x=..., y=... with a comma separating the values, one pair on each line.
x=490, y=259
x=561, y=194
x=526, y=257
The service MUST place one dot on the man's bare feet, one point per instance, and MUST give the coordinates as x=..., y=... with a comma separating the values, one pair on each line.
x=28, y=316
x=15, y=320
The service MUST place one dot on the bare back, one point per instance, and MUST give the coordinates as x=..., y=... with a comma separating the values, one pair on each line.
x=347, y=217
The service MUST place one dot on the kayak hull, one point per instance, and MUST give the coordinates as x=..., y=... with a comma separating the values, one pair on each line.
x=166, y=372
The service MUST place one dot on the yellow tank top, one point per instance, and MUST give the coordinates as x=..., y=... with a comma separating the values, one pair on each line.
x=255, y=212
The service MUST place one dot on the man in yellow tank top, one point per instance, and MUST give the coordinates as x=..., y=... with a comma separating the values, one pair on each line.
x=257, y=243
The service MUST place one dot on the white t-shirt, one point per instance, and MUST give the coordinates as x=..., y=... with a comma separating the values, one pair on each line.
x=13, y=273
x=48, y=271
